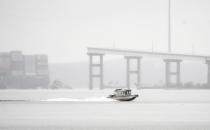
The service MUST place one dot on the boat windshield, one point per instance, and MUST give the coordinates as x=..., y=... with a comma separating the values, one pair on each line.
x=123, y=92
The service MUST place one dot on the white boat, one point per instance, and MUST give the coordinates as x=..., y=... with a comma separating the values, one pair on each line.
x=123, y=95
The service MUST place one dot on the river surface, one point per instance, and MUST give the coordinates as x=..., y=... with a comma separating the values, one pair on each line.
x=155, y=109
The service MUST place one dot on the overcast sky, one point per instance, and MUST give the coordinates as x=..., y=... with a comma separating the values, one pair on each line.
x=64, y=28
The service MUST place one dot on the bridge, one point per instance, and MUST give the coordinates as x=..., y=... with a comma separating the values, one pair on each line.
x=136, y=56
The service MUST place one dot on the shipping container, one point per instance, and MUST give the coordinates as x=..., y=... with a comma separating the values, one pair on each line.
x=42, y=58
x=17, y=63
x=4, y=63
x=30, y=65
x=17, y=68
x=42, y=65
x=16, y=56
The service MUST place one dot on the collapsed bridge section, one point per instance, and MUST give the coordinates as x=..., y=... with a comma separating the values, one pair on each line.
x=129, y=55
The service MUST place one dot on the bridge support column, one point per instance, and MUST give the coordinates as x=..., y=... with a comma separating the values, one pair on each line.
x=208, y=72
x=137, y=71
x=169, y=73
x=92, y=66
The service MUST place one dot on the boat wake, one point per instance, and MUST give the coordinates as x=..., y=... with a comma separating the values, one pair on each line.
x=96, y=99
x=100, y=99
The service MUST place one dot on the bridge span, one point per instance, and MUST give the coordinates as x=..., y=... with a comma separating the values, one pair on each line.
x=136, y=56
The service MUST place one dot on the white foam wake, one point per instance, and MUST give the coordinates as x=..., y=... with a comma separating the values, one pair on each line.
x=99, y=99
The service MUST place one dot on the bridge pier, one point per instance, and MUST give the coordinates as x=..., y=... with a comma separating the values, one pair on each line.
x=169, y=73
x=208, y=72
x=136, y=71
x=92, y=66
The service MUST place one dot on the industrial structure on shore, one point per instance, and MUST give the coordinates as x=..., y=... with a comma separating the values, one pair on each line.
x=23, y=71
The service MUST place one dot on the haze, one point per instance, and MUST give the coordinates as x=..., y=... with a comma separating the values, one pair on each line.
x=63, y=29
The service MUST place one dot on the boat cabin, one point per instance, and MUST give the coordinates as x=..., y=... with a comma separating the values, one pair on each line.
x=120, y=92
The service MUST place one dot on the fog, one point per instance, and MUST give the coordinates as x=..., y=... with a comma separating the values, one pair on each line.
x=63, y=29
x=47, y=74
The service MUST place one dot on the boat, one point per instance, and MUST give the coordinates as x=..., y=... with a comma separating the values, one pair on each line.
x=123, y=95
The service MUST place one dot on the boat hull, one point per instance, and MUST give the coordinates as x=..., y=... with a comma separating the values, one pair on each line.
x=123, y=98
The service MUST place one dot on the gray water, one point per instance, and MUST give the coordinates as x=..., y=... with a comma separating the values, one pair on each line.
x=91, y=110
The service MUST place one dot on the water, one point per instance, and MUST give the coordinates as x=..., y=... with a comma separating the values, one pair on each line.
x=89, y=110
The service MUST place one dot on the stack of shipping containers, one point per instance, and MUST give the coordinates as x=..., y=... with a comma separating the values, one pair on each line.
x=23, y=71
x=42, y=69
x=15, y=80
x=42, y=65
x=30, y=65
x=4, y=69
x=30, y=71
x=17, y=63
